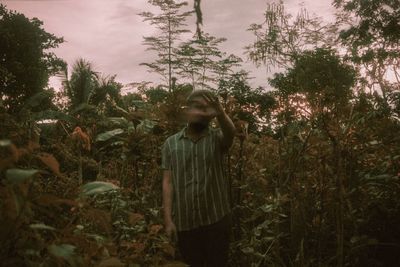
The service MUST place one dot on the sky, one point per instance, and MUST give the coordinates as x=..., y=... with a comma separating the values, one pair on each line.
x=109, y=33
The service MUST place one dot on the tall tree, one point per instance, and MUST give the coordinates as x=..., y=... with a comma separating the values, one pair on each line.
x=170, y=23
x=226, y=66
x=25, y=63
x=372, y=38
x=189, y=64
x=210, y=54
x=82, y=84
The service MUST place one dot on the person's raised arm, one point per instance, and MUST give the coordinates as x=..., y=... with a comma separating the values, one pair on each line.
x=227, y=127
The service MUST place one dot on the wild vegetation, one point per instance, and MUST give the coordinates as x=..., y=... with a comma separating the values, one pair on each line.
x=314, y=170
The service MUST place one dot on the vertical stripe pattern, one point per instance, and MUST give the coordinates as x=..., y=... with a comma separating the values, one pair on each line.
x=200, y=188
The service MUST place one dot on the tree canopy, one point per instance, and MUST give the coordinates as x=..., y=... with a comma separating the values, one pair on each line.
x=25, y=61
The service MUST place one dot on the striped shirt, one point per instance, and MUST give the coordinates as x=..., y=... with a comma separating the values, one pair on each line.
x=200, y=188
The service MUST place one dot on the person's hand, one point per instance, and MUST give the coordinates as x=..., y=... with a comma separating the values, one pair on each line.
x=214, y=104
x=170, y=230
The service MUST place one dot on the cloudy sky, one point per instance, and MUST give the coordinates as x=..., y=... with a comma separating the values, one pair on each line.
x=109, y=33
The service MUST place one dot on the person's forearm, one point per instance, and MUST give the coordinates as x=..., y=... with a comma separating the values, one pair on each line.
x=167, y=200
x=227, y=127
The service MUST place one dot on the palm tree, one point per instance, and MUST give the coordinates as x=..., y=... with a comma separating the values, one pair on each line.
x=90, y=93
x=108, y=89
x=82, y=84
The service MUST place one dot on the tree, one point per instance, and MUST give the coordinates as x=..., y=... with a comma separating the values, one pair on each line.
x=170, y=23
x=108, y=90
x=209, y=54
x=87, y=90
x=82, y=84
x=225, y=66
x=155, y=95
x=25, y=63
x=189, y=65
x=372, y=38
x=245, y=103
x=280, y=37
x=322, y=77
x=198, y=60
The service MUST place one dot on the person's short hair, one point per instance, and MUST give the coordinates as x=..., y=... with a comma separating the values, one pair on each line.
x=197, y=93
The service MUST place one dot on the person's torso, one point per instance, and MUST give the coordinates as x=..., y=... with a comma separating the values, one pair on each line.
x=200, y=186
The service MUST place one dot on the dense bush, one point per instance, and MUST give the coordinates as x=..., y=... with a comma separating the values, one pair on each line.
x=304, y=197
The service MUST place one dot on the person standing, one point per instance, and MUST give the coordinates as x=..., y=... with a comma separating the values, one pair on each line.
x=195, y=190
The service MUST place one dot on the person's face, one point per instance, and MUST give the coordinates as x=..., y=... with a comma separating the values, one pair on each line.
x=199, y=111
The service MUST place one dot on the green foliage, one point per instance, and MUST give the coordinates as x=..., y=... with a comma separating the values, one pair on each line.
x=16, y=176
x=90, y=95
x=107, y=89
x=64, y=251
x=376, y=33
x=40, y=101
x=57, y=222
x=132, y=100
x=321, y=76
x=26, y=64
x=245, y=103
x=41, y=226
x=371, y=35
x=281, y=37
x=291, y=195
x=107, y=135
x=156, y=95
x=198, y=59
x=94, y=188
x=81, y=85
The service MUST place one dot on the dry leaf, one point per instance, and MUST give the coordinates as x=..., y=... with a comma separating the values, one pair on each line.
x=111, y=262
x=82, y=137
x=134, y=218
x=168, y=249
x=32, y=146
x=51, y=162
x=155, y=228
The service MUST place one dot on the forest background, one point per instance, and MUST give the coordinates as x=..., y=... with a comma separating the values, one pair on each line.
x=314, y=170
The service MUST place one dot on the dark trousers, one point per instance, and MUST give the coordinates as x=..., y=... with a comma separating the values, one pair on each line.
x=206, y=245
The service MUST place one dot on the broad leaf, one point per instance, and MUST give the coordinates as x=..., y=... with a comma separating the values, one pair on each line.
x=146, y=126
x=83, y=107
x=118, y=121
x=16, y=176
x=5, y=142
x=52, y=115
x=37, y=99
x=94, y=188
x=108, y=135
x=64, y=251
x=41, y=226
